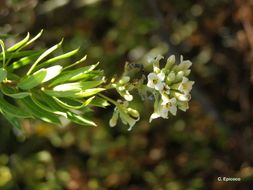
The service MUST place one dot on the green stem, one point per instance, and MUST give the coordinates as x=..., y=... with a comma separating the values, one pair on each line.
x=108, y=99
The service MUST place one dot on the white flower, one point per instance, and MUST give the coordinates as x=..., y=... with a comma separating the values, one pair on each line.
x=165, y=93
x=170, y=106
x=185, y=86
x=156, y=81
x=163, y=109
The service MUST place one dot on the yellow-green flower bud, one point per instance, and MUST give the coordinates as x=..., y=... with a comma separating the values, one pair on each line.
x=134, y=113
x=170, y=62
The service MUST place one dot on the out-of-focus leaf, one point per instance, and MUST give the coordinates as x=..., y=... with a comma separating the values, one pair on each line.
x=43, y=55
x=19, y=44
x=70, y=76
x=80, y=119
x=39, y=113
x=8, y=91
x=13, y=110
x=14, y=121
x=41, y=76
x=3, y=74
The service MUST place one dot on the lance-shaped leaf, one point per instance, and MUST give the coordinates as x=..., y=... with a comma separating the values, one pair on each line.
x=39, y=77
x=32, y=40
x=99, y=102
x=20, y=54
x=3, y=74
x=44, y=105
x=14, y=93
x=39, y=113
x=80, y=119
x=23, y=61
x=3, y=53
x=57, y=58
x=77, y=93
x=19, y=44
x=69, y=103
x=70, y=76
x=43, y=55
x=89, y=92
x=13, y=110
x=77, y=85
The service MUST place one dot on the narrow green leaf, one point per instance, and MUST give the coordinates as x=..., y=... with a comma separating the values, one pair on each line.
x=14, y=93
x=13, y=110
x=43, y=55
x=32, y=81
x=88, y=101
x=50, y=101
x=71, y=94
x=44, y=105
x=23, y=61
x=57, y=58
x=39, y=113
x=77, y=85
x=33, y=39
x=19, y=44
x=3, y=52
x=74, y=93
x=69, y=103
x=20, y=54
x=39, y=77
x=76, y=63
x=3, y=74
x=70, y=76
x=99, y=102
x=89, y=92
x=80, y=119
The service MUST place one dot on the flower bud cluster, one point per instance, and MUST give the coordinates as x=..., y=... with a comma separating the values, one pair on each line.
x=122, y=88
x=128, y=116
x=170, y=86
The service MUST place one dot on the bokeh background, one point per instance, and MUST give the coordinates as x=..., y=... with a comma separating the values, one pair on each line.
x=213, y=138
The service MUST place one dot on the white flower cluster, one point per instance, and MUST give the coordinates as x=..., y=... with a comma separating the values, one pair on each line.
x=170, y=86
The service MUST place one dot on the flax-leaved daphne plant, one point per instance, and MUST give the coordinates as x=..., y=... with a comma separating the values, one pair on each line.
x=49, y=91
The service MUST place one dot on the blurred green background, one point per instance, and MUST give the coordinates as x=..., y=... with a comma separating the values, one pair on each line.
x=213, y=138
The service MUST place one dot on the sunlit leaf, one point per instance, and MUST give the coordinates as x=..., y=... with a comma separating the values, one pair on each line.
x=19, y=44
x=57, y=58
x=43, y=55
x=80, y=119
x=41, y=76
x=70, y=76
